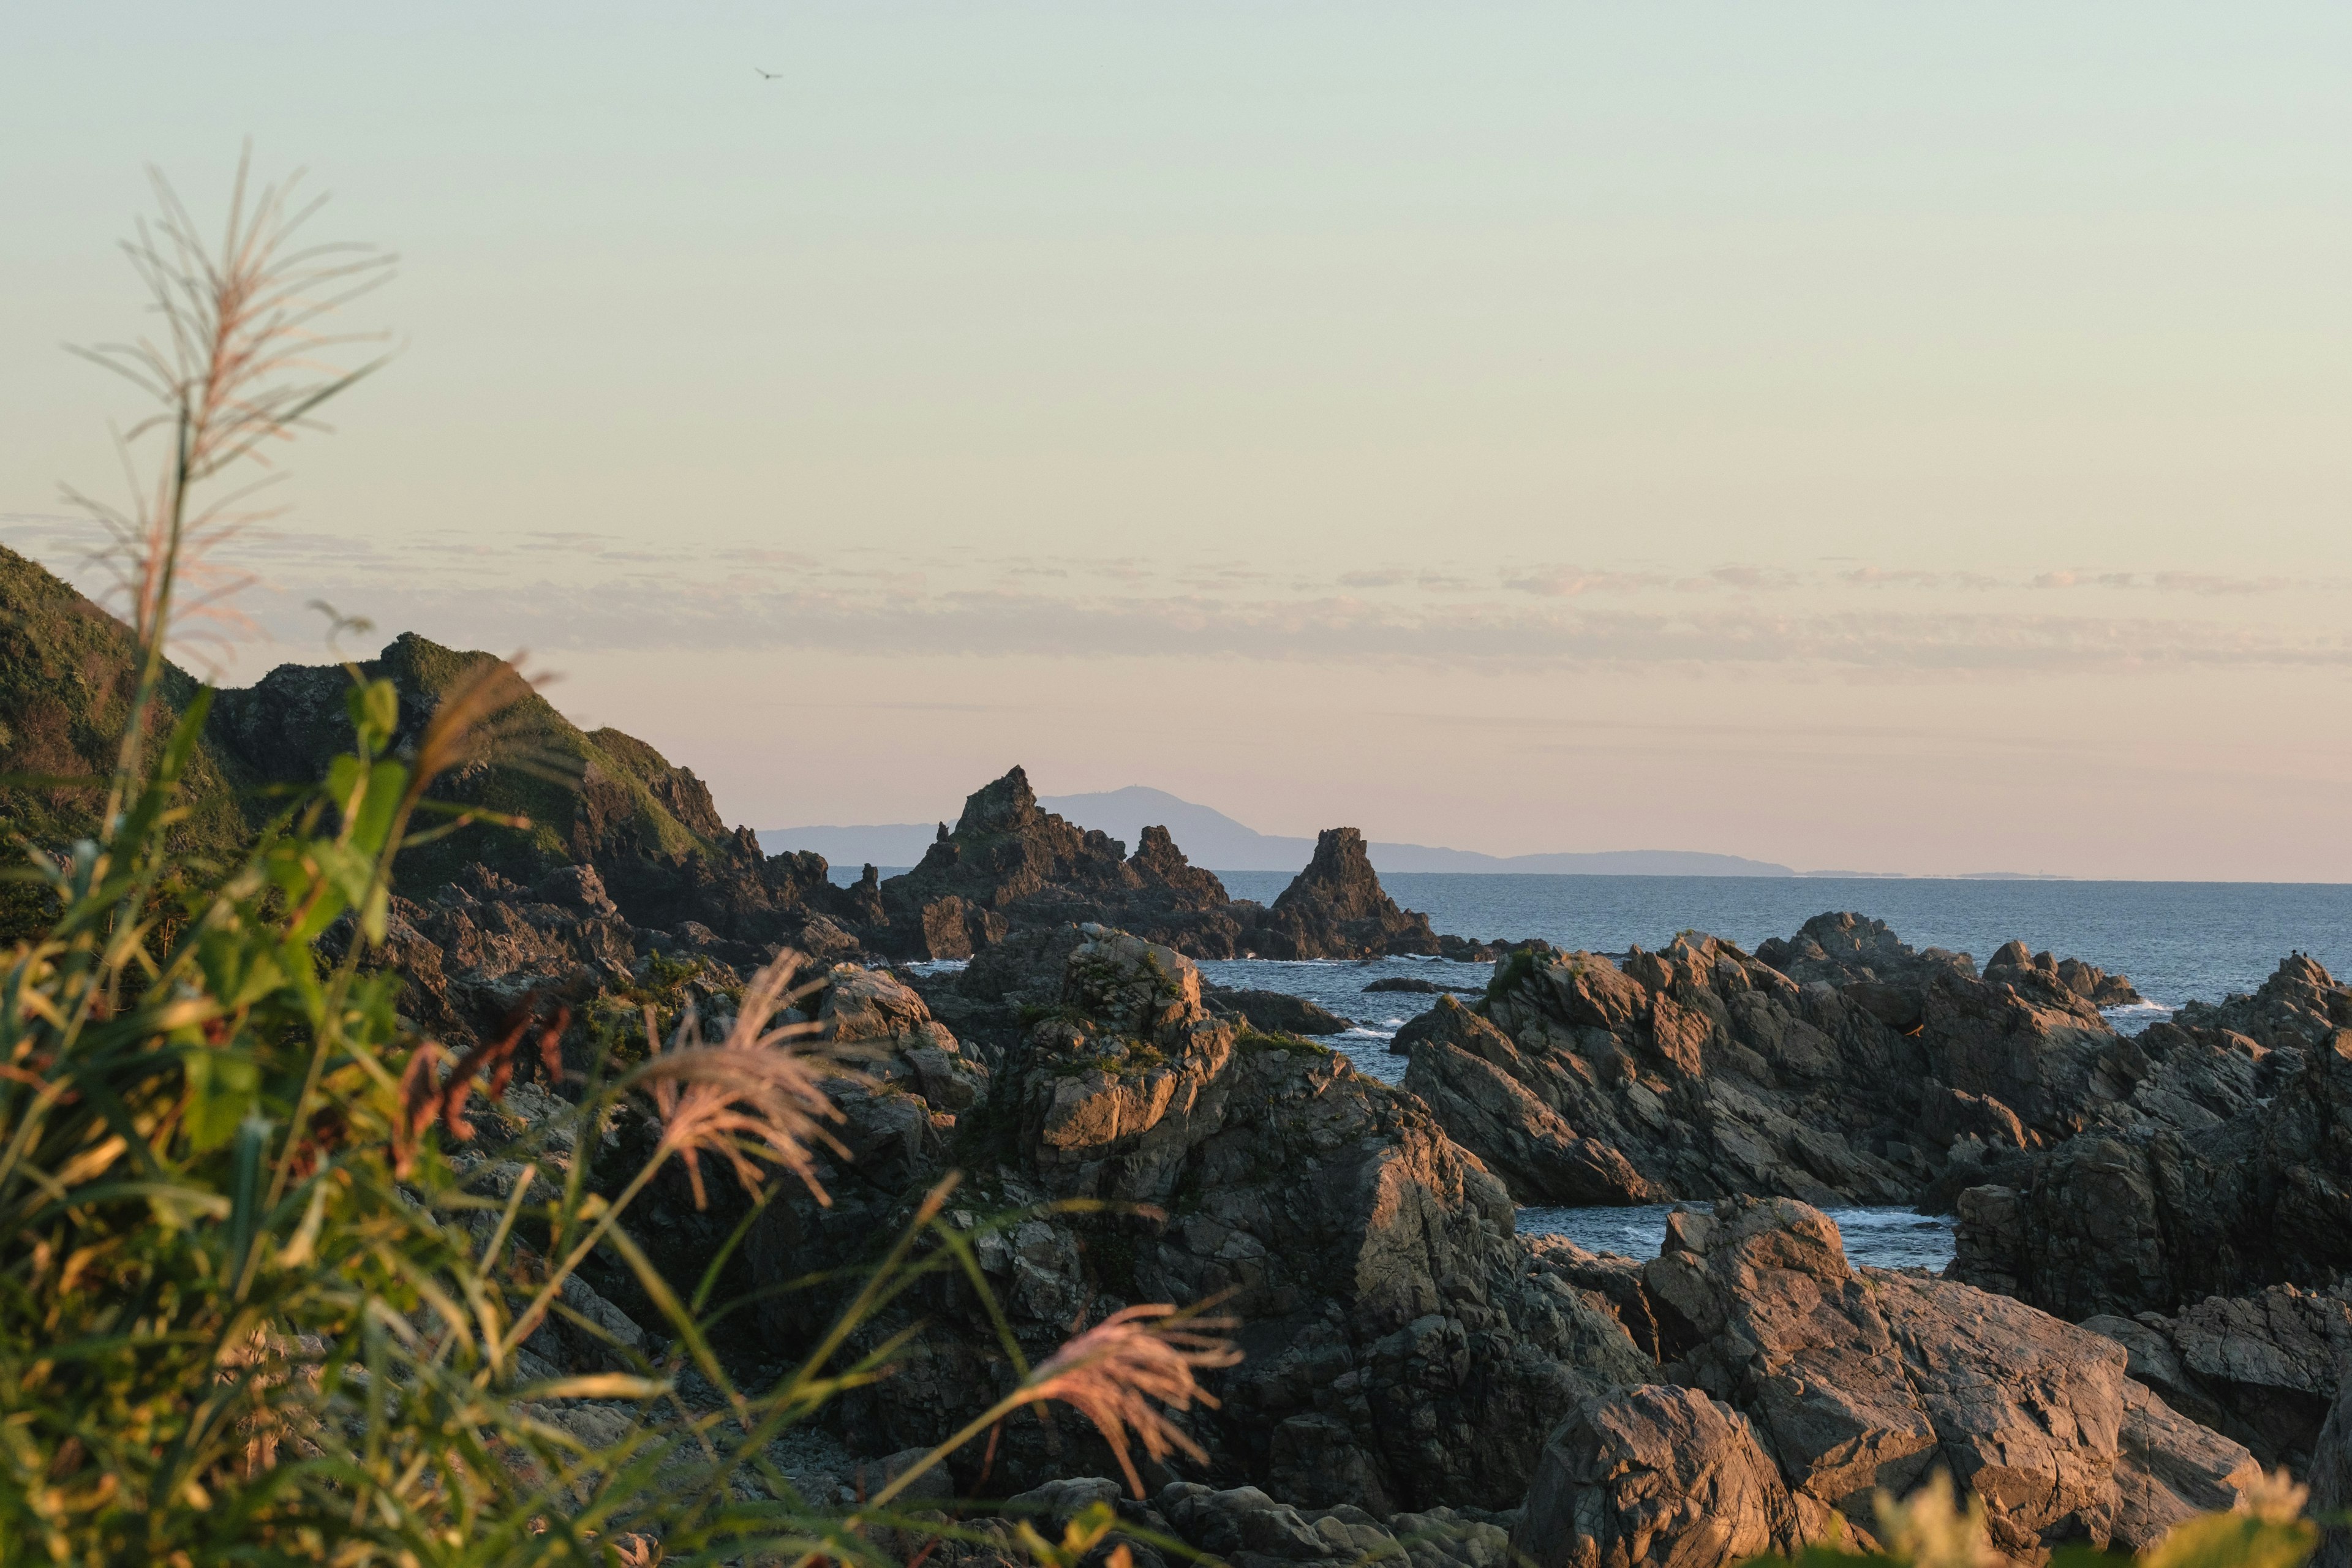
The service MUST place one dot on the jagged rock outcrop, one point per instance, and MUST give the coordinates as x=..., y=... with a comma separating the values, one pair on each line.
x=1850, y=949
x=2229, y=1168
x=2298, y=1006
x=2055, y=978
x=1705, y=1071
x=1474, y=1081
x=1405, y=1349
x=1336, y=908
x=1860, y=1380
x=1850, y=1070
x=1008, y=863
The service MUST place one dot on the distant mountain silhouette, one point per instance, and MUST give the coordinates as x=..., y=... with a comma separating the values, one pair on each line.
x=1211, y=838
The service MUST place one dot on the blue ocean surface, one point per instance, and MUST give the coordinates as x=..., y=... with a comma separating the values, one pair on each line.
x=1881, y=1237
x=2175, y=939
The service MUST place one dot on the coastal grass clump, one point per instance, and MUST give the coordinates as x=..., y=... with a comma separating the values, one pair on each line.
x=1513, y=971
x=1252, y=1041
x=267, y=1288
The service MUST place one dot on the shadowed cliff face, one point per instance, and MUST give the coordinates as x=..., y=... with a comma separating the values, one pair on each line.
x=2236, y=1175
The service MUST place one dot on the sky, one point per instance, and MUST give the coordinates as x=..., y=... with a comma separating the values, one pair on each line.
x=1894, y=438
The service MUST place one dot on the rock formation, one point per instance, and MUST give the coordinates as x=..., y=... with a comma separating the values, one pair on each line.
x=1404, y=1349
x=1336, y=909
x=1849, y=1069
x=2228, y=1168
x=2260, y=1369
x=1009, y=863
x=1794, y=1386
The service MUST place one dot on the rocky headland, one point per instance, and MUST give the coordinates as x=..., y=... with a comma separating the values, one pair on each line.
x=2149, y=1300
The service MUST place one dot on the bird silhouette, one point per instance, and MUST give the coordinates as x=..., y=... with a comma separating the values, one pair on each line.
x=769, y=75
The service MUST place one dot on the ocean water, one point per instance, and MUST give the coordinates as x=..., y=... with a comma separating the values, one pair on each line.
x=1337, y=985
x=1883, y=1237
x=2175, y=939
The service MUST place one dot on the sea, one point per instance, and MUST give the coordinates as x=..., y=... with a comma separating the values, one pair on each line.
x=2175, y=940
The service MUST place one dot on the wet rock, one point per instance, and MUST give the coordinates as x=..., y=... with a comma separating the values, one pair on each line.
x=1276, y=1012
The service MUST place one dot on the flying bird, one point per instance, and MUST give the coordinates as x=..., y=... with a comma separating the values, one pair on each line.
x=769, y=75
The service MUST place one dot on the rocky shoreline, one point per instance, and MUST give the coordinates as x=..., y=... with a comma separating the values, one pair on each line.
x=2149, y=1301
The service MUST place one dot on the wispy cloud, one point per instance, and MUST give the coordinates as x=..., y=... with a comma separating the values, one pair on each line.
x=1914, y=577
x=1860, y=619
x=1570, y=581
x=1336, y=628
x=2205, y=583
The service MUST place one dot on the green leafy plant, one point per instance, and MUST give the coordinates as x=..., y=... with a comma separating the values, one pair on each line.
x=265, y=1294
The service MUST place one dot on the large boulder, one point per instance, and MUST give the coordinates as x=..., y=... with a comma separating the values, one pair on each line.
x=1653, y=1478
x=1462, y=1068
x=2263, y=1368
x=1859, y=1381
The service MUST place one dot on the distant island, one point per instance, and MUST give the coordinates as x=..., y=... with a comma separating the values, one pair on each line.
x=1212, y=839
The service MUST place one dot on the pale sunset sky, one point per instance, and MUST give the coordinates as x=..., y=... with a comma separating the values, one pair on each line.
x=1894, y=437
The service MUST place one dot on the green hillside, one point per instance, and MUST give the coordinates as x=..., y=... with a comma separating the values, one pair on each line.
x=606, y=797
x=66, y=676
x=67, y=673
